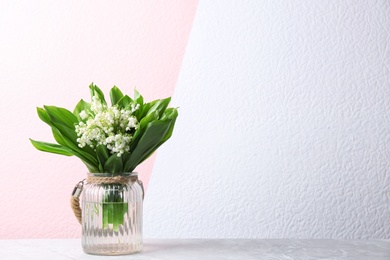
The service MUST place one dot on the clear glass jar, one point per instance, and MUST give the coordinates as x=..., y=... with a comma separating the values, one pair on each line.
x=112, y=216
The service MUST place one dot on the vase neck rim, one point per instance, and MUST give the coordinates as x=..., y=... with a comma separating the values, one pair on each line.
x=123, y=174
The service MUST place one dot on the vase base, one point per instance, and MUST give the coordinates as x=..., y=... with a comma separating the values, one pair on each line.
x=113, y=249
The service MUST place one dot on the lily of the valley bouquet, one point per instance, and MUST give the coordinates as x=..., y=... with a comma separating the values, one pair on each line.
x=109, y=139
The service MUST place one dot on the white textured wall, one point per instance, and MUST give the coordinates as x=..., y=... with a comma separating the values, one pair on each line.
x=284, y=126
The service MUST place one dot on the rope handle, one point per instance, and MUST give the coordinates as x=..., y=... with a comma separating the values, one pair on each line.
x=75, y=198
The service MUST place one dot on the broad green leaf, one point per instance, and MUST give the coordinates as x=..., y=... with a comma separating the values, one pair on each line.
x=91, y=167
x=51, y=148
x=44, y=116
x=164, y=139
x=95, y=90
x=125, y=157
x=138, y=98
x=124, y=101
x=102, y=154
x=67, y=133
x=160, y=106
x=89, y=161
x=113, y=213
x=62, y=150
x=82, y=105
x=59, y=115
x=147, y=119
x=64, y=121
x=56, y=133
x=141, y=128
x=170, y=116
x=154, y=133
x=113, y=164
x=58, y=136
x=147, y=107
x=87, y=158
x=69, y=137
x=170, y=113
x=115, y=95
x=105, y=210
x=110, y=209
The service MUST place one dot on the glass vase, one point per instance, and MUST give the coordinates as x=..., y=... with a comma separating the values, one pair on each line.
x=112, y=216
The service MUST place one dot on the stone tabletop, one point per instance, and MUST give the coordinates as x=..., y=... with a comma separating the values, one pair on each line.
x=205, y=249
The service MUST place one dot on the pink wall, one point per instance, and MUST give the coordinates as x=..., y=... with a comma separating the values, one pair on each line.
x=50, y=52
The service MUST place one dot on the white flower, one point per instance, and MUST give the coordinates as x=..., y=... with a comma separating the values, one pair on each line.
x=96, y=105
x=132, y=123
x=107, y=126
x=83, y=115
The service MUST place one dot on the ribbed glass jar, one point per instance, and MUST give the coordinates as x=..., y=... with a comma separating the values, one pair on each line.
x=112, y=217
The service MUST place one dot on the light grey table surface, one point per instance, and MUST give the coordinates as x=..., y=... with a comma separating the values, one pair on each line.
x=205, y=249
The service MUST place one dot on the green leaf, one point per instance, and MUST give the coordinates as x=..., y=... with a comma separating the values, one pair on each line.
x=58, y=136
x=160, y=106
x=62, y=150
x=110, y=209
x=154, y=133
x=68, y=134
x=147, y=107
x=66, y=137
x=141, y=128
x=138, y=98
x=59, y=115
x=82, y=105
x=56, y=133
x=105, y=210
x=124, y=101
x=113, y=206
x=64, y=121
x=147, y=119
x=113, y=164
x=60, y=127
x=69, y=138
x=113, y=213
x=91, y=167
x=170, y=113
x=102, y=155
x=163, y=140
x=95, y=90
x=125, y=157
x=51, y=148
x=44, y=116
x=170, y=116
x=115, y=95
